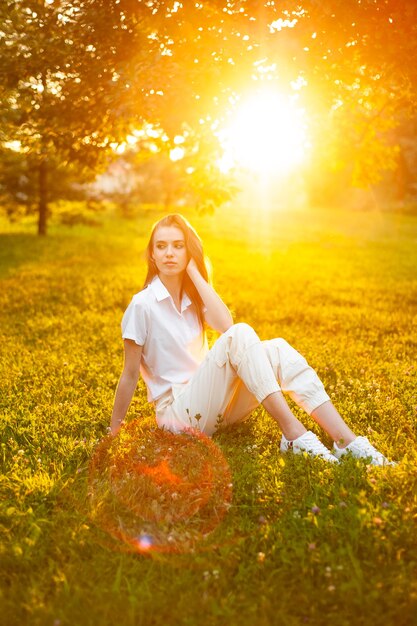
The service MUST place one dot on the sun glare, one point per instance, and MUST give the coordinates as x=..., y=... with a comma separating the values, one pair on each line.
x=267, y=136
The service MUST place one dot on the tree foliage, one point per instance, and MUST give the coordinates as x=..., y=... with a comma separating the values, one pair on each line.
x=64, y=103
x=79, y=75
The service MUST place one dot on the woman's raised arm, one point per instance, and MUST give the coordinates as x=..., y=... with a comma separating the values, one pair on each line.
x=217, y=315
x=126, y=385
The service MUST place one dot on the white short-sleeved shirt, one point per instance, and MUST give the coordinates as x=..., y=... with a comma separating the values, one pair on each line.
x=173, y=343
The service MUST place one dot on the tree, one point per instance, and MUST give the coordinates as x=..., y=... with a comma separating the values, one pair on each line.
x=79, y=74
x=65, y=100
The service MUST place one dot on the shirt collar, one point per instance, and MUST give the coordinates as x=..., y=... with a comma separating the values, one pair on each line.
x=161, y=293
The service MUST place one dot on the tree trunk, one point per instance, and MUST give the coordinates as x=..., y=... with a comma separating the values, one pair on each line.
x=43, y=197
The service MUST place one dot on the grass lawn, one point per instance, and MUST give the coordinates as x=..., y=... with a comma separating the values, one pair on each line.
x=268, y=539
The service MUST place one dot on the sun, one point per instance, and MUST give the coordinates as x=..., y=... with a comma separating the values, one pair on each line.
x=267, y=135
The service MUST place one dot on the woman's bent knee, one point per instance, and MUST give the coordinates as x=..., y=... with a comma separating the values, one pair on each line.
x=234, y=343
x=241, y=329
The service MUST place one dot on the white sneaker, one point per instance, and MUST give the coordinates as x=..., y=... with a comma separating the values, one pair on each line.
x=308, y=442
x=362, y=449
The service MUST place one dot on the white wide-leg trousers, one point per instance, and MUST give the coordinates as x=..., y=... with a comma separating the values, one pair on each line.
x=237, y=374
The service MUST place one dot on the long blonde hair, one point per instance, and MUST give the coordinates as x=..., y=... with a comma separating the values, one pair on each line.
x=195, y=250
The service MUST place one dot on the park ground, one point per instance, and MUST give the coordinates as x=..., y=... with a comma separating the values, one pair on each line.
x=300, y=542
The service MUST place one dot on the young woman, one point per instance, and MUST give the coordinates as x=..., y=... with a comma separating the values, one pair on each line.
x=165, y=342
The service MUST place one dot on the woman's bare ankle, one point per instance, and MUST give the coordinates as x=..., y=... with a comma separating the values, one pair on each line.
x=291, y=434
x=342, y=442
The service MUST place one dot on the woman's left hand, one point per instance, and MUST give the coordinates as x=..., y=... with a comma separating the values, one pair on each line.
x=191, y=267
x=217, y=315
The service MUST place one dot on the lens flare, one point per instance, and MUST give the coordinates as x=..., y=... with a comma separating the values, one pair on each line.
x=152, y=491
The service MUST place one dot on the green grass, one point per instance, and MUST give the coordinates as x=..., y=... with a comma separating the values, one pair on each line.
x=301, y=543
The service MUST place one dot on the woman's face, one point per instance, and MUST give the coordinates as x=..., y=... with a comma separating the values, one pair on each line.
x=169, y=250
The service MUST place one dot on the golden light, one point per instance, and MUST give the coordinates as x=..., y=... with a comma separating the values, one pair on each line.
x=267, y=135
x=15, y=145
x=176, y=154
x=118, y=148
